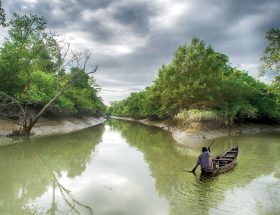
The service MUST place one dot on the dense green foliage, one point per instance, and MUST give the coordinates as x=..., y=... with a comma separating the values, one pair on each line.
x=200, y=78
x=32, y=69
x=271, y=56
x=2, y=15
x=271, y=59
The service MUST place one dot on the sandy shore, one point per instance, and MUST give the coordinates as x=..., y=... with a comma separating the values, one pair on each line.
x=47, y=126
x=186, y=137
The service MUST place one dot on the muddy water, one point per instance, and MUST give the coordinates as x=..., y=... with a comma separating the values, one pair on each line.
x=128, y=168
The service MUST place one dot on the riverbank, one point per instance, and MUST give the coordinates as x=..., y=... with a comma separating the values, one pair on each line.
x=190, y=137
x=47, y=126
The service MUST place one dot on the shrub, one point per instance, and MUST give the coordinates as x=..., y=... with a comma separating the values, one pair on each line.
x=196, y=115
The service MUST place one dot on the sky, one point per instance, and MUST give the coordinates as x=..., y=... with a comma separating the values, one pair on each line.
x=131, y=39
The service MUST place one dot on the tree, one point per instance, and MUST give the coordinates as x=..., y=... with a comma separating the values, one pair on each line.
x=271, y=56
x=32, y=71
x=2, y=15
x=20, y=114
x=270, y=61
x=201, y=79
x=23, y=52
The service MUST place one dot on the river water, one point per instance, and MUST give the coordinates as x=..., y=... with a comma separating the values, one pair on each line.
x=128, y=168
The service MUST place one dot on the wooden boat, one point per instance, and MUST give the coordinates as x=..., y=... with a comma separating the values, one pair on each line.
x=224, y=161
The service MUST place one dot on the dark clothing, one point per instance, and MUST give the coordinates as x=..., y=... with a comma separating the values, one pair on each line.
x=205, y=161
x=206, y=173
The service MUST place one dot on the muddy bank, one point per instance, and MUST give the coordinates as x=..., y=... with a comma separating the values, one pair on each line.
x=47, y=126
x=157, y=123
x=189, y=137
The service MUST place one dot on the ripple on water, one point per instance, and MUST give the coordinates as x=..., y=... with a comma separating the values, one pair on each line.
x=260, y=196
x=126, y=168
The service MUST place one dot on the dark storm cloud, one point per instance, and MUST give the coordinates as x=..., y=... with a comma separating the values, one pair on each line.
x=136, y=15
x=130, y=40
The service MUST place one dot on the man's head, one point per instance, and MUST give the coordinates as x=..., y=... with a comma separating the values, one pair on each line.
x=204, y=149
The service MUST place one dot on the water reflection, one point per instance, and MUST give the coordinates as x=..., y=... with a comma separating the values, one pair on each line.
x=260, y=196
x=33, y=167
x=118, y=181
x=129, y=168
x=259, y=154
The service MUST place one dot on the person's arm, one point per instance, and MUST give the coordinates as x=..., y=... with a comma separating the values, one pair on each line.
x=193, y=170
x=197, y=164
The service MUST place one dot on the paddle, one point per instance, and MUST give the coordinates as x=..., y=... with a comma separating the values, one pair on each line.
x=210, y=145
x=193, y=170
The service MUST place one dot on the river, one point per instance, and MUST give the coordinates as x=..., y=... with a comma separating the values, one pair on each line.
x=129, y=168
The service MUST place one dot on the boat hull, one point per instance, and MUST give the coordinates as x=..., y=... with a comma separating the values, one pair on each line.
x=223, y=162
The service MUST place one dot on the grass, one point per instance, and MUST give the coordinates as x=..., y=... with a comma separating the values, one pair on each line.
x=196, y=115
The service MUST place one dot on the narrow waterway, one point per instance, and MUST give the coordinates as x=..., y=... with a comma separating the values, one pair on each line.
x=128, y=168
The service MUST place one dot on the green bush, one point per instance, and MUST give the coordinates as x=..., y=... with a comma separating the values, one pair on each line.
x=196, y=115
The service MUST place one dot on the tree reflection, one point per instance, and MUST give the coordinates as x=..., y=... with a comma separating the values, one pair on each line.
x=33, y=167
x=186, y=193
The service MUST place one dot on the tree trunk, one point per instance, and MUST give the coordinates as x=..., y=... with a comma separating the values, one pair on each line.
x=27, y=129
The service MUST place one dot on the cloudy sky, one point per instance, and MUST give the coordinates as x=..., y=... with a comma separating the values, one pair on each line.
x=131, y=39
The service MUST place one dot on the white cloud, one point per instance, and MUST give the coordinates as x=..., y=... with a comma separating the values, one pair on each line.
x=170, y=13
x=30, y=1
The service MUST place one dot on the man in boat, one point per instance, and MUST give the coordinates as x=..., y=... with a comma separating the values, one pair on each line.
x=204, y=161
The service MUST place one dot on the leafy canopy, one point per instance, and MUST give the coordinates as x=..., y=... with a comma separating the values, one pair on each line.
x=200, y=78
x=32, y=68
